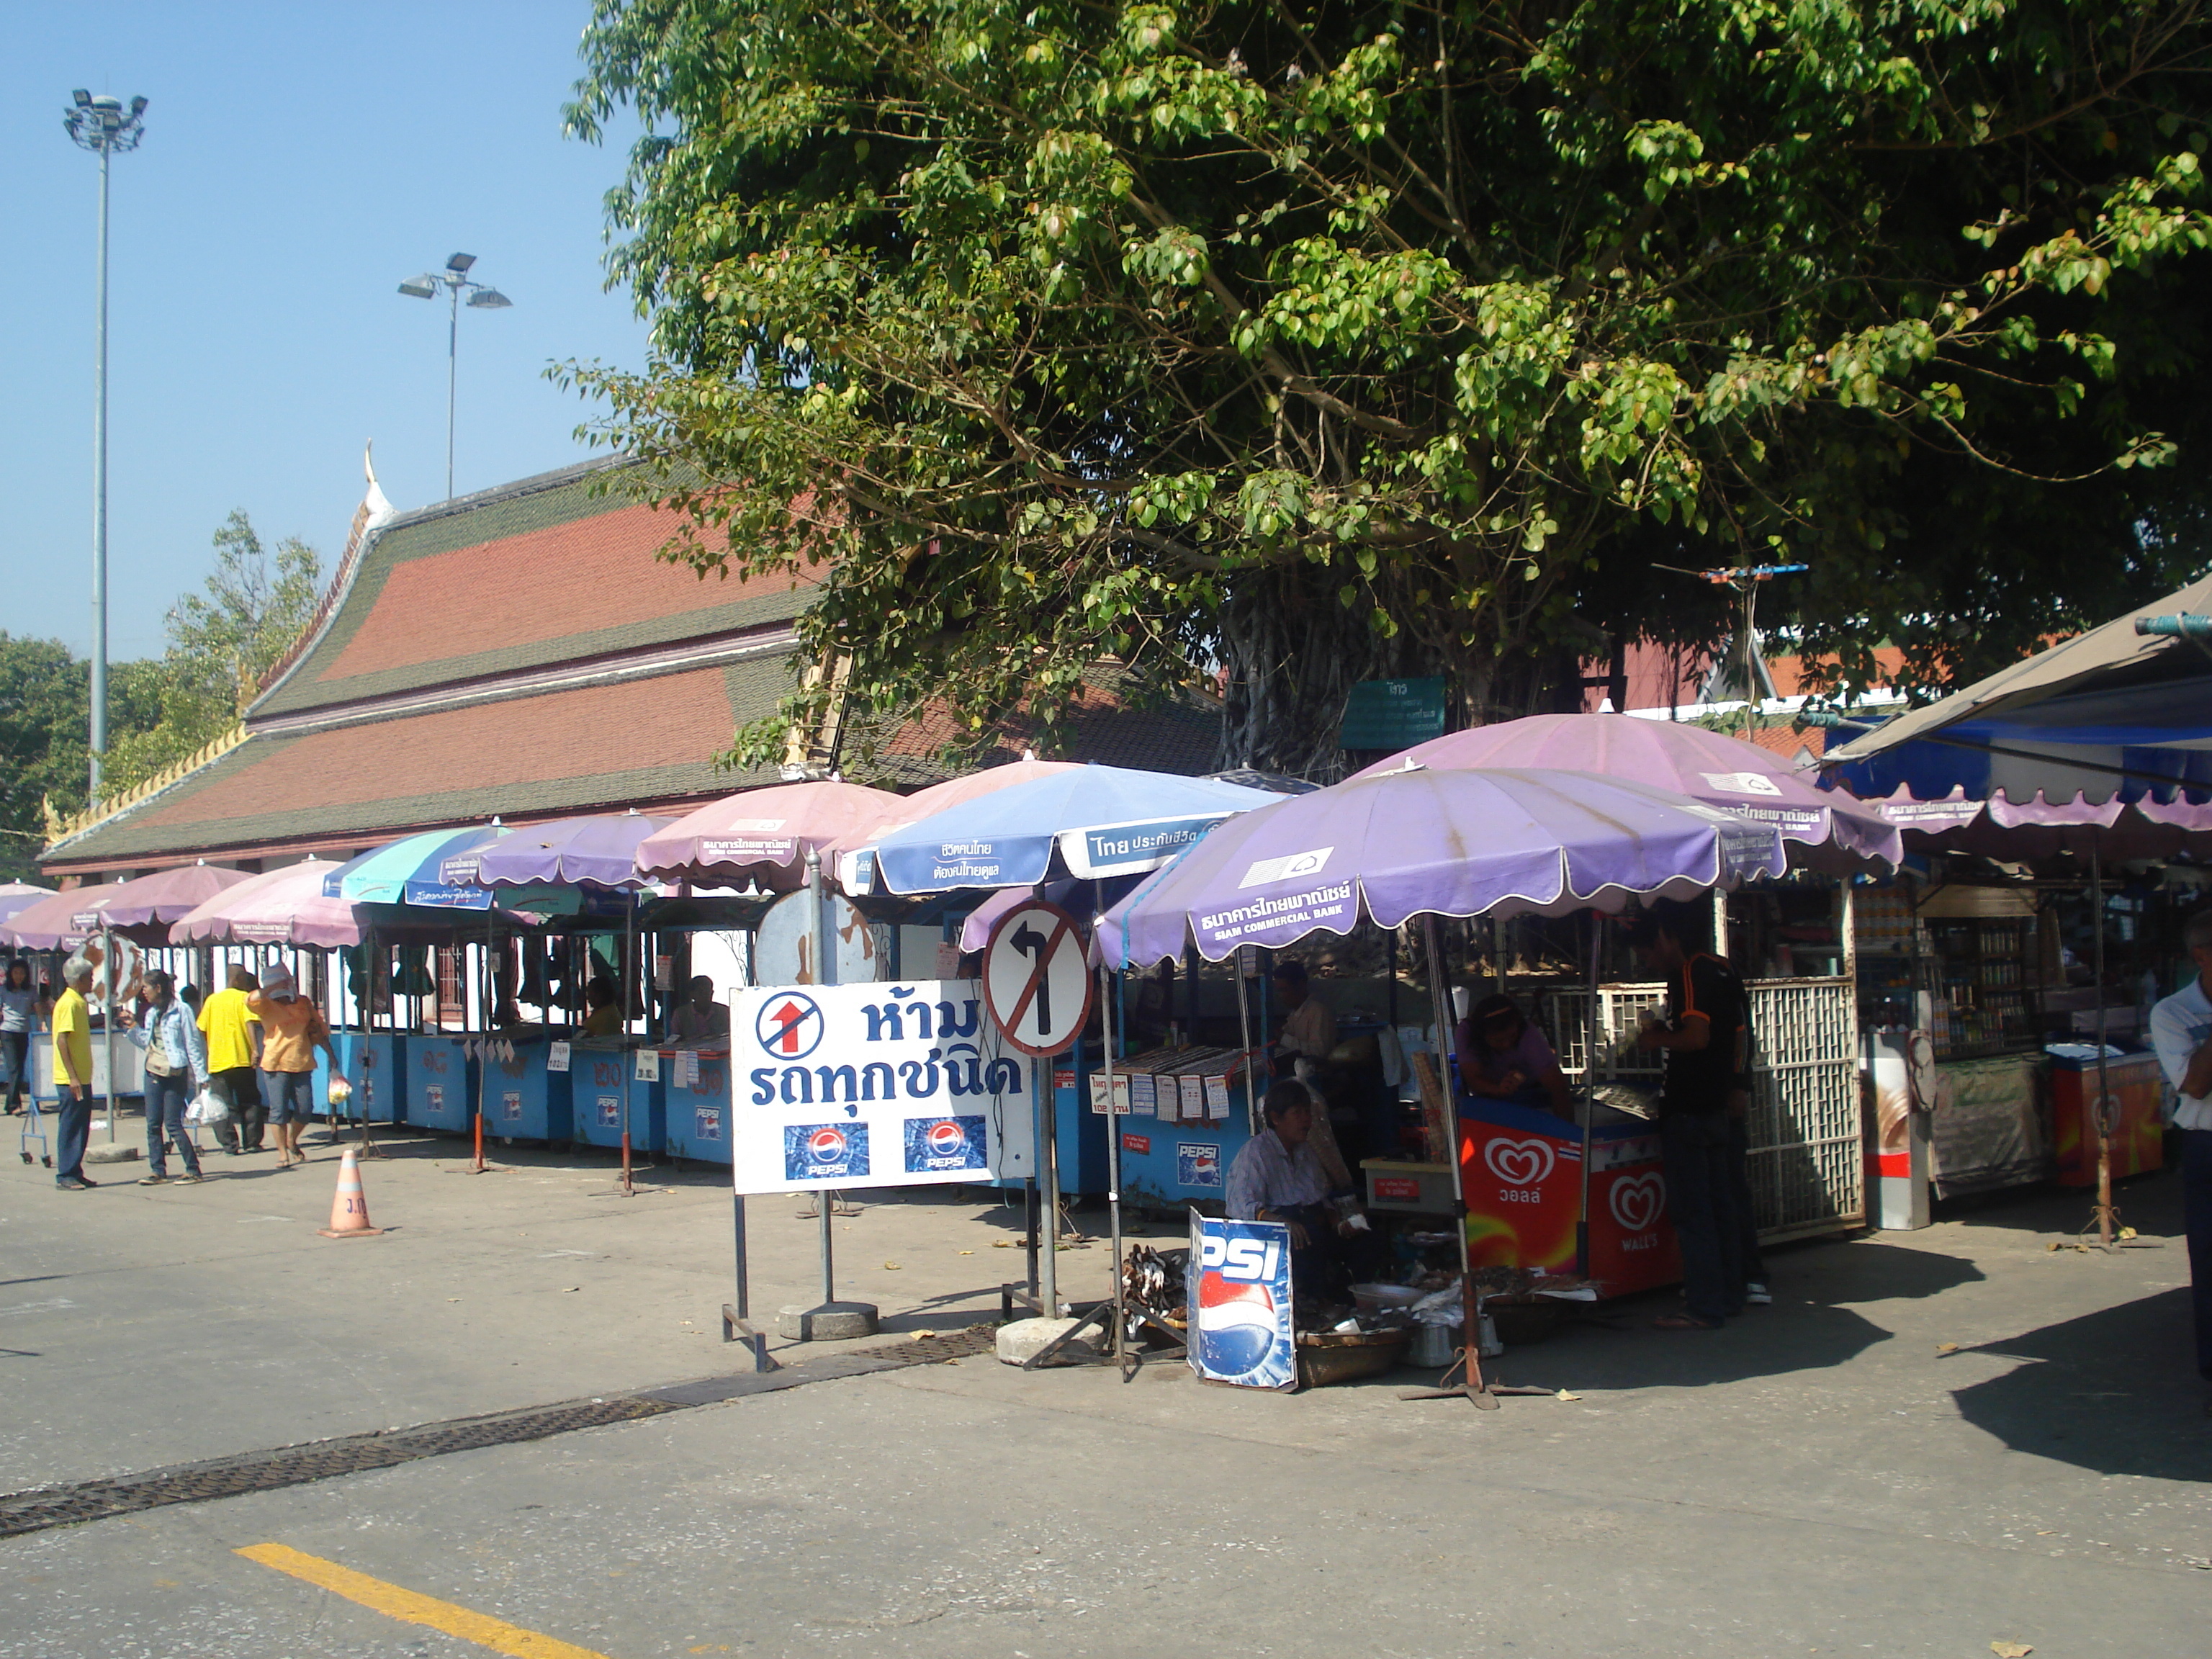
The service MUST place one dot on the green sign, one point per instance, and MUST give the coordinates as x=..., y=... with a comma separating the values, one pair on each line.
x=1392, y=714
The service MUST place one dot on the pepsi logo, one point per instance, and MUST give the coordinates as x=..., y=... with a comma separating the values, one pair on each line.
x=945, y=1139
x=1236, y=1326
x=1520, y=1163
x=826, y=1145
x=1638, y=1201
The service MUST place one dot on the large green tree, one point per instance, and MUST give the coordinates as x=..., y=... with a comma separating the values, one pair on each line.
x=222, y=641
x=1315, y=342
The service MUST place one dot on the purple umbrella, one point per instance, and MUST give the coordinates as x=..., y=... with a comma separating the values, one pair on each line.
x=1711, y=767
x=16, y=896
x=598, y=851
x=1424, y=842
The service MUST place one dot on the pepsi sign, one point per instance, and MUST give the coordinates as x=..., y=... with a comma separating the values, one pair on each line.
x=934, y=1143
x=1239, y=1288
x=825, y=1152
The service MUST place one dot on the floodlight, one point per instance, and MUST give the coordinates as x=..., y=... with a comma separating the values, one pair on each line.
x=488, y=299
x=420, y=288
x=82, y=98
x=460, y=263
x=137, y=105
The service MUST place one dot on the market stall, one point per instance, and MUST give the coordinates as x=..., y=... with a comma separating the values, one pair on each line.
x=1391, y=848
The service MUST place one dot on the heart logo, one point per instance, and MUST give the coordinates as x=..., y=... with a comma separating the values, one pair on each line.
x=1519, y=1162
x=1638, y=1201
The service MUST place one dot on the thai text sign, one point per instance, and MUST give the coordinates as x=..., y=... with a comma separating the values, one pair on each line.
x=872, y=1085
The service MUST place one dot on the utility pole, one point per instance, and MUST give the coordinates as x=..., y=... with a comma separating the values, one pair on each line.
x=453, y=278
x=106, y=128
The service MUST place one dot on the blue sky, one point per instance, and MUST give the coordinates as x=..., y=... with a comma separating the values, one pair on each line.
x=301, y=159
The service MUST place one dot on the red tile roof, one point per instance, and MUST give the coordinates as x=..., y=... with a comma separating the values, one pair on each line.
x=525, y=589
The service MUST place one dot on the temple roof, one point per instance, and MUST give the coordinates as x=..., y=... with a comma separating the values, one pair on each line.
x=557, y=569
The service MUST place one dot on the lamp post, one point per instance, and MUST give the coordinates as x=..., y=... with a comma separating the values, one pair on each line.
x=454, y=279
x=106, y=128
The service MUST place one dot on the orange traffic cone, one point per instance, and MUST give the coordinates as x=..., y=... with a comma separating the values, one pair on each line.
x=349, y=1207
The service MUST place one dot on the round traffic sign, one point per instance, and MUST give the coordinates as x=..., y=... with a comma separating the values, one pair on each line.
x=1036, y=981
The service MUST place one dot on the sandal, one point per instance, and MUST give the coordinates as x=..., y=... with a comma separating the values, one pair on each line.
x=1683, y=1322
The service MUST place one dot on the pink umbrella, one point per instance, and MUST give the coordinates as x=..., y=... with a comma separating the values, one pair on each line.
x=1737, y=777
x=145, y=906
x=277, y=906
x=764, y=834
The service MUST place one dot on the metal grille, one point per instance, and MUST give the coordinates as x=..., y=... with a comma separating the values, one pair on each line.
x=1808, y=1162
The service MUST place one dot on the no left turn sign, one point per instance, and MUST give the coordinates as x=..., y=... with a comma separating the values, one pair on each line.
x=1036, y=981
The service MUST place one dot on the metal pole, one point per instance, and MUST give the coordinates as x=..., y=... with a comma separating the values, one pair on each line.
x=825, y=973
x=114, y=990
x=1244, y=1030
x=1470, y=1310
x=2100, y=1115
x=1041, y=1091
x=452, y=362
x=1589, y=1098
x=100, y=515
x=1114, y=1152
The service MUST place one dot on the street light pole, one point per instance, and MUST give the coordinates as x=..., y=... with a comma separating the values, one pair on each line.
x=453, y=278
x=105, y=127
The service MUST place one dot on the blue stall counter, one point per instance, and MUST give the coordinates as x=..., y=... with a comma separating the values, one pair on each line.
x=523, y=1098
x=440, y=1083
x=605, y=1090
x=373, y=1061
x=697, y=1107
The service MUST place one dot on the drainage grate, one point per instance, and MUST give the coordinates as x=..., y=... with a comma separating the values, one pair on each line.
x=323, y=1460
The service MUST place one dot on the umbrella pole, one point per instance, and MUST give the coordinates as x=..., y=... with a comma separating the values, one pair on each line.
x=629, y=1075
x=1590, y=1027
x=107, y=1025
x=2103, y=1114
x=1113, y=1161
x=1472, y=1386
x=1244, y=1029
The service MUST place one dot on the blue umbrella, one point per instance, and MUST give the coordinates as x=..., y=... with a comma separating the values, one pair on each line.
x=434, y=870
x=1101, y=821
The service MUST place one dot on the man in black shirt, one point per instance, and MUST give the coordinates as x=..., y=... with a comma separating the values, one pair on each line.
x=1704, y=1037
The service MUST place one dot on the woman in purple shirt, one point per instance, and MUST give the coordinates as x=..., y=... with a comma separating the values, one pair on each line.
x=1502, y=1057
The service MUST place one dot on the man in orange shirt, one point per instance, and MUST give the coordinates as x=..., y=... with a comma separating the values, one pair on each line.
x=292, y=1028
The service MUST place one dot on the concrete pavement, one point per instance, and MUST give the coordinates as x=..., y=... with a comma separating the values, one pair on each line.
x=1931, y=1442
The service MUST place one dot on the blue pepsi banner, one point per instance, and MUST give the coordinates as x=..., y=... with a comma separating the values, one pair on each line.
x=1239, y=1288
x=872, y=1085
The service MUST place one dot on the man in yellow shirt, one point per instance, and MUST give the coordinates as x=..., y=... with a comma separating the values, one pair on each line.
x=73, y=1076
x=233, y=1046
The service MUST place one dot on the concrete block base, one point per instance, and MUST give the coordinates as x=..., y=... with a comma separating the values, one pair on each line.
x=119, y=1152
x=1024, y=1339
x=830, y=1322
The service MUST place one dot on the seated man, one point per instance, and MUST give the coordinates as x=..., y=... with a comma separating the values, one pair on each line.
x=702, y=1023
x=1279, y=1177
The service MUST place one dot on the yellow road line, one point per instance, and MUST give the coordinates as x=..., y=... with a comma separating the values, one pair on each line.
x=397, y=1603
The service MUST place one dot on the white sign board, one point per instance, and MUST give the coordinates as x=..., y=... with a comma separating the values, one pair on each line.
x=1035, y=978
x=872, y=1085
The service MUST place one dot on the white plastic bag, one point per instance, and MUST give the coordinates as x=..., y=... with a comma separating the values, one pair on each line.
x=207, y=1109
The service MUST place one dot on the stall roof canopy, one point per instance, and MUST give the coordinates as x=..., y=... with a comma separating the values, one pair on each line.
x=553, y=570
x=2110, y=712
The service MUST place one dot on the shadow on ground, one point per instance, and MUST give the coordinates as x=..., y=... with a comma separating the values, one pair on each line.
x=2113, y=1391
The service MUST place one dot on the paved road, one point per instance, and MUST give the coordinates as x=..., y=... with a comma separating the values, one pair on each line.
x=1823, y=1477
